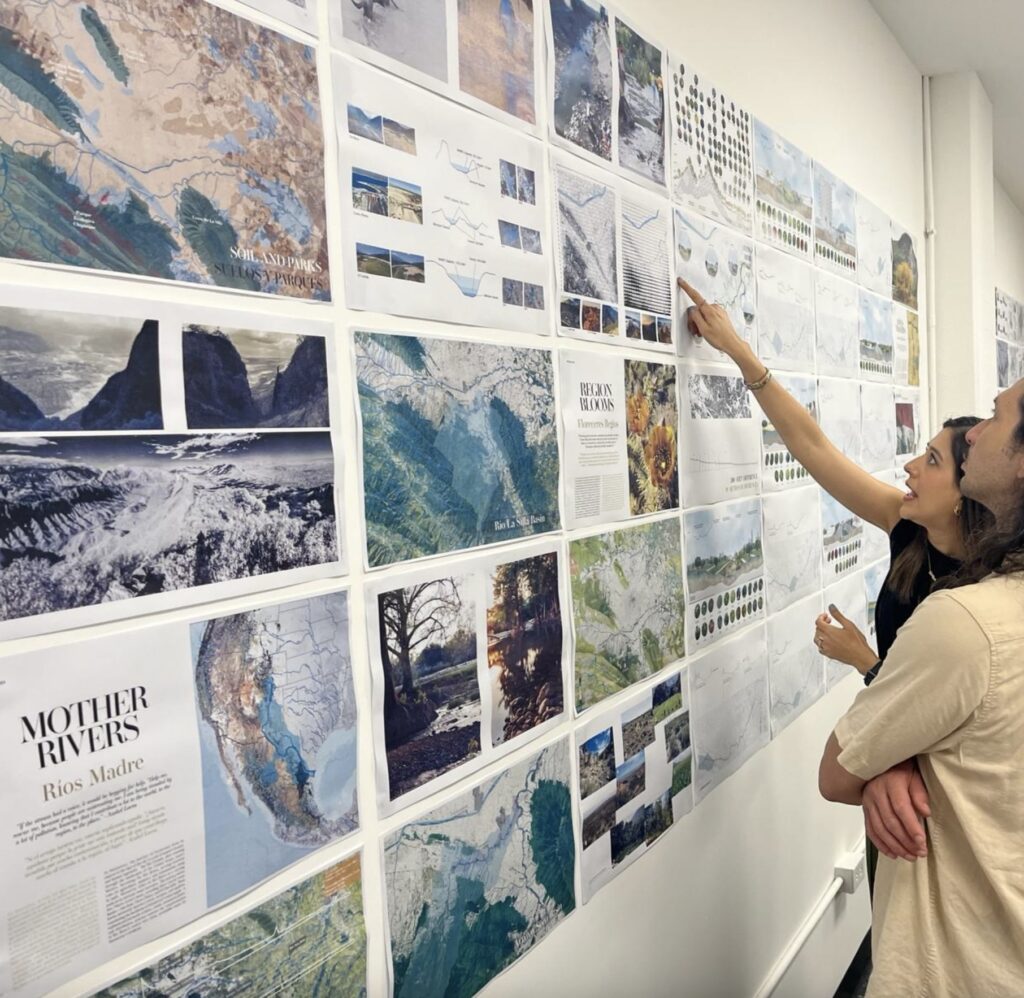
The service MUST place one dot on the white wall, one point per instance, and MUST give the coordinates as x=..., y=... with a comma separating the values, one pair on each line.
x=710, y=910
x=1008, y=267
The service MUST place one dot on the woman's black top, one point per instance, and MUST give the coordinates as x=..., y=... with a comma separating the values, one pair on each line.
x=890, y=612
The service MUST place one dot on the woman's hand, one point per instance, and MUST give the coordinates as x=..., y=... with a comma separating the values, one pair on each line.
x=711, y=322
x=845, y=643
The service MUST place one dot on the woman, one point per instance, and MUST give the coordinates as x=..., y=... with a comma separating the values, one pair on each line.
x=927, y=527
x=928, y=530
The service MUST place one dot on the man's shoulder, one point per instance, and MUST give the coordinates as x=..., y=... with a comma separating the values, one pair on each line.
x=996, y=604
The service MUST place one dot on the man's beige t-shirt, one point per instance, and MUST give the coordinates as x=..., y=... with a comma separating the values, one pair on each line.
x=951, y=692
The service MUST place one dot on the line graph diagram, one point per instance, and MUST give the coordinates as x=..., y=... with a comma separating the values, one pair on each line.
x=469, y=285
x=796, y=673
x=792, y=546
x=730, y=718
x=466, y=164
x=646, y=283
x=785, y=311
x=836, y=320
x=458, y=219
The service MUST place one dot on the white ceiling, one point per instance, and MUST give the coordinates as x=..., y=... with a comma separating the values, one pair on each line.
x=946, y=36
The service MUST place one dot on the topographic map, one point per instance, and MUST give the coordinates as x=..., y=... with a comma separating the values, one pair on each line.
x=459, y=444
x=165, y=138
x=475, y=883
x=274, y=688
x=792, y=546
x=628, y=607
x=309, y=941
x=785, y=311
x=729, y=691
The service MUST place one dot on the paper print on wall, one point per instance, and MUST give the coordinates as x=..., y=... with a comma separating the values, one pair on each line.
x=835, y=223
x=785, y=311
x=837, y=317
x=628, y=607
x=509, y=847
x=721, y=448
x=908, y=425
x=779, y=468
x=877, y=427
x=849, y=596
x=458, y=442
x=411, y=40
x=311, y=936
x=842, y=539
x=792, y=546
x=76, y=371
x=441, y=221
x=253, y=378
x=796, y=675
x=636, y=773
x=300, y=14
x=100, y=519
x=465, y=665
x=647, y=288
x=874, y=248
x=839, y=414
x=277, y=724
x=226, y=203
x=875, y=332
x=904, y=267
x=874, y=579
x=1009, y=317
x=580, y=75
x=718, y=263
x=729, y=707
x=641, y=105
x=712, y=171
x=784, y=194
x=585, y=216
x=724, y=570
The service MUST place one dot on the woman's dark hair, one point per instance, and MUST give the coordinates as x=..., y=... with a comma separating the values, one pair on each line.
x=973, y=520
x=995, y=550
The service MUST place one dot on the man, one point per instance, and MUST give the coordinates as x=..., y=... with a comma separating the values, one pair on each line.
x=951, y=921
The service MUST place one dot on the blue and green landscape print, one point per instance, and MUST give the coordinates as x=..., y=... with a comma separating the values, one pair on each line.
x=459, y=444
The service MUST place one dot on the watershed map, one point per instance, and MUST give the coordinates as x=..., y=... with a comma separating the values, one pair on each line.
x=163, y=138
x=309, y=942
x=475, y=883
x=278, y=737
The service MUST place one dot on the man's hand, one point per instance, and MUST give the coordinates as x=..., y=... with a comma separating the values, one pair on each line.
x=895, y=806
x=845, y=643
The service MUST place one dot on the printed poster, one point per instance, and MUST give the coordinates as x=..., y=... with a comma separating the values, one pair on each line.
x=190, y=762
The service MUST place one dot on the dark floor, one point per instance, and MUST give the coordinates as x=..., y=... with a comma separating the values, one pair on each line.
x=855, y=983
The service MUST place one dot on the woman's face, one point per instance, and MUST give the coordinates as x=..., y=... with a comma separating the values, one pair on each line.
x=931, y=479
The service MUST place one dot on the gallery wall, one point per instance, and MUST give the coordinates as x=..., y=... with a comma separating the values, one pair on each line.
x=727, y=887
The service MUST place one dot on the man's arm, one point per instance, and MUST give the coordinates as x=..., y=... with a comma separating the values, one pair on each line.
x=834, y=782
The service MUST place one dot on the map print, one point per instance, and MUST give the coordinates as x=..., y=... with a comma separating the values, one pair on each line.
x=878, y=427
x=459, y=444
x=476, y=883
x=729, y=696
x=795, y=672
x=839, y=414
x=159, y=138
x=309, y=940
x=720, y=264
x=628, y=609
x=278, y=737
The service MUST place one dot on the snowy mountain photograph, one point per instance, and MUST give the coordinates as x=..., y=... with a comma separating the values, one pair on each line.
x=94, y=519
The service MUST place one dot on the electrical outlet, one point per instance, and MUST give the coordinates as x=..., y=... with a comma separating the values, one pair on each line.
x=851, y=869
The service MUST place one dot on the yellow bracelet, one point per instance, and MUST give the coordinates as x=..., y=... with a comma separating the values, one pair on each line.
x=756, y=386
